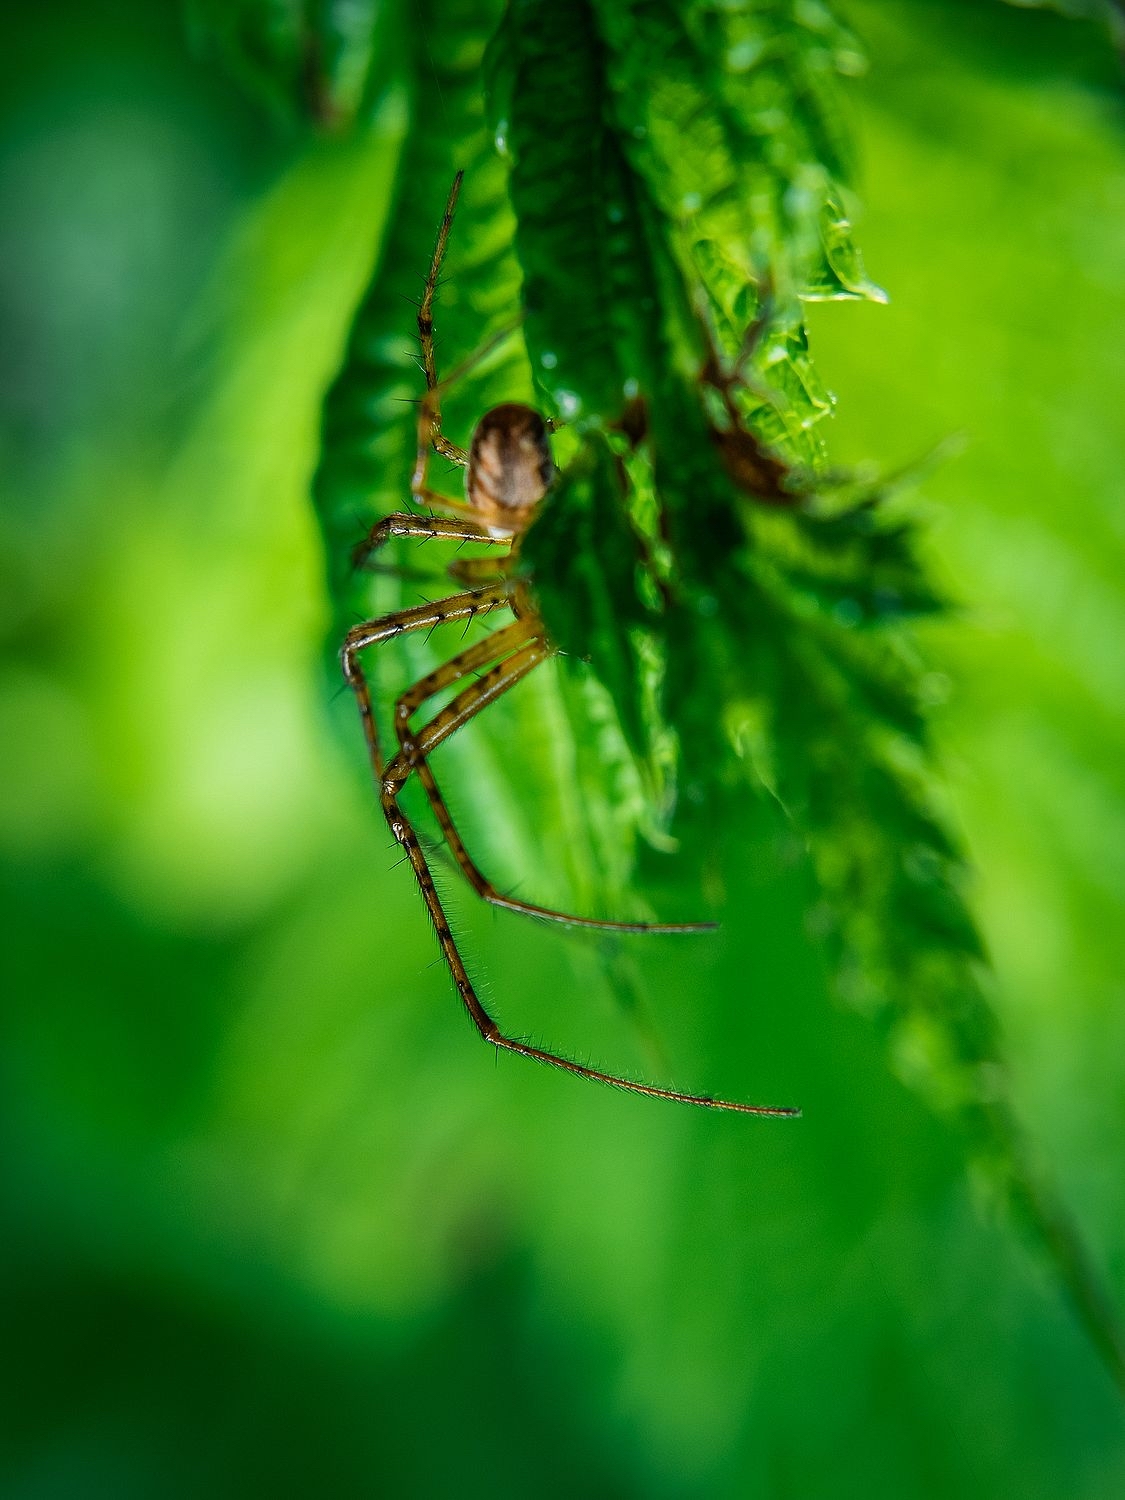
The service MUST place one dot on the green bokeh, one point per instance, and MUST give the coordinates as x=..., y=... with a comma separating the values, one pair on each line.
x=273, y=1220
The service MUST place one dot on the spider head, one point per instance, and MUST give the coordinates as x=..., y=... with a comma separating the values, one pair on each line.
x=510, y=467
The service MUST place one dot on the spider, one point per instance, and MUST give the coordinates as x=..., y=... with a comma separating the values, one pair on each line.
x=508, y=475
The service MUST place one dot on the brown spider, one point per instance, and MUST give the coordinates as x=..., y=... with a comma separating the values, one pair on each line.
x=508, y=472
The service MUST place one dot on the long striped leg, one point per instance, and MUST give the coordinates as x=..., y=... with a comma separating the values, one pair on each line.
x=421, y=617
x=430, y=434
x=425, y=528
x=462, y=708
x=429, y=418
x=475, y=572
x=479, y=655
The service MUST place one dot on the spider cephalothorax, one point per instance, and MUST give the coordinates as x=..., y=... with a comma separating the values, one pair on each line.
x=508, y=473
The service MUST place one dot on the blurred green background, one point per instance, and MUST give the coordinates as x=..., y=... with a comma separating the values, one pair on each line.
x=273, y=1220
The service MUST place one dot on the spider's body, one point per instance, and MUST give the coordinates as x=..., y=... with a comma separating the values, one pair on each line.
x=508, y=473
x=509, y=469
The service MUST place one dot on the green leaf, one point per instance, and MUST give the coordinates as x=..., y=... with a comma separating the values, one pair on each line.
x=369, y=424
x=313, y=61
x=737, y=618
x=590, y=575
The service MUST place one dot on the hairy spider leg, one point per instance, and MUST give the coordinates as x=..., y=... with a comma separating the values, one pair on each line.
x=429, y=418
x=386, y=627
x=394, y=776
x=496, y=646
x=493, y=341
x=474, y=572
x=430, y=434
x=467, y=661
x=425, y=528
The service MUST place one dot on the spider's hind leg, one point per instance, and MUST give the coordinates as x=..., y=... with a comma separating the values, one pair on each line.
x=456, y=713
x=484, y=652
x=385, y=628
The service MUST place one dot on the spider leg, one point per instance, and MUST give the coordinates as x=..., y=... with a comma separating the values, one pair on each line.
x=472, y=572
x=479, y=655
x=392, y=779
x=430, y=434
x=426, y=528
x=493, y=341
x=429, y=416
x=426, y=306
x=421, y=617
x=461, y=510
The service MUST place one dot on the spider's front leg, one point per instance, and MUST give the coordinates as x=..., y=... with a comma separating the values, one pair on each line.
x=430, y=434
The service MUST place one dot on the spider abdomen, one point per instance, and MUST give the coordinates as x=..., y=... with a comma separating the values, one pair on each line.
x=510, y=468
